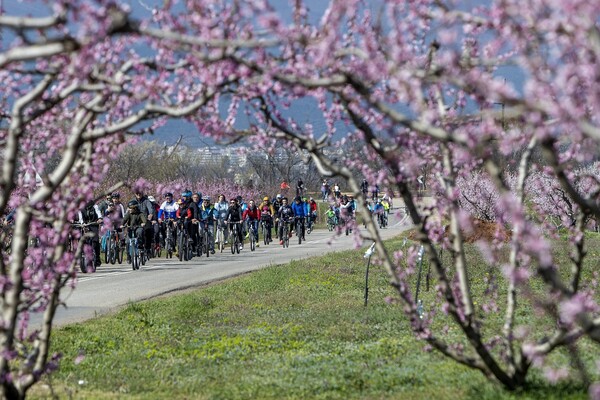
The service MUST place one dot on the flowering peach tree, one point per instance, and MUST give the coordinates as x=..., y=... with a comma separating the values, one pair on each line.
x=414, y=85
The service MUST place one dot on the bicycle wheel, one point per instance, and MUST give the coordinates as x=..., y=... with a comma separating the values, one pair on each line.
x=252, y=241
x=237, y=245
x=265, y=236
x=221, y=239
x=107, y=252
x=135, y=261
x=299, y=231
x=207, y=243
x=83, y=263
x=181, y=246
x=113, y=252
x=119, y=252
x=91, y=264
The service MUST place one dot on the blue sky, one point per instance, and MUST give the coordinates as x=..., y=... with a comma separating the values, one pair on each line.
x=303, y=111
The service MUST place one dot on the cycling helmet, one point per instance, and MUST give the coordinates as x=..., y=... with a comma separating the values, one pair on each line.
x=133, y=203
x=285, y=198
x=207, y=198
x=199, y=194
x=297, y=198
x=239, y=199
x=116, y=195
x=187, y=193
x=278, y=196
x=152, y=199
x=266, y=198
x=168, y=194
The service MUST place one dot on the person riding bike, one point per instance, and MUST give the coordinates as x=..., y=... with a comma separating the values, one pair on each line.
x=346, y=211
x=186, y=212
x=167, y=213
x=331, y=216
x=252, y=215
x=91, y=215
x=299, y=209
x=114, y=212
x=146, y=207
x=300, y=188
x=221, y=209
x=285, y=215
x=207, y=220
x=267, y=211
x=135, y=220
x=234, y=215
x=313, y=210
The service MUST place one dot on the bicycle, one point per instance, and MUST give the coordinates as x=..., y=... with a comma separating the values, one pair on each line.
x=135, y=250
x=331, y=223
x=87, y=262
x=169, y=239
x=382, y=220
x=204, y=241
x=183, y=242
x=285, y=235
x=300, y=229
x=253, y=235
x=235, y=237
x=265, y=229
x=113, y=251
x=221, y=235
x=157, y=247
x=309, y=223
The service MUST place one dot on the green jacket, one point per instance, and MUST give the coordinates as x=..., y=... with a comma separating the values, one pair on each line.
x=134, y=219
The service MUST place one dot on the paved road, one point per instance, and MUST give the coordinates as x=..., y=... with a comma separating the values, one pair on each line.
x=114, y=286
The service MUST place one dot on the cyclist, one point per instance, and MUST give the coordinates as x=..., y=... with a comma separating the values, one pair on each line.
x=336, y=191
x=346, y=211
x=146, y=207
x=243, y=205
x=325, y=189
x=135, y=220
x=300, y=188
x=386, y=207
x=284, y=216
x=267, y=211
x=234, y=214
x=313, y=210
x=221, y=208
x=104, y=204
x=91, y=215
x=167, y=211
x=299, y=209
x=306, y=211
x=331, y=216
x=378, y=209
x=115, y=212
x=375, y=192
x=276, y=206
x=155, y=222
x=252, y=215
x=364, y=188
x=207, y=219
x=185, y=213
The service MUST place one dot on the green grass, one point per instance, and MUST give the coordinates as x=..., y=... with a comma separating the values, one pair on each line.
x=291, y=331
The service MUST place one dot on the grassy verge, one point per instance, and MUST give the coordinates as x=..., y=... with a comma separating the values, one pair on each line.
x=291, y=331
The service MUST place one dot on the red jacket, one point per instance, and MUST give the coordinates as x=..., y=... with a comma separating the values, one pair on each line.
x=252, y=214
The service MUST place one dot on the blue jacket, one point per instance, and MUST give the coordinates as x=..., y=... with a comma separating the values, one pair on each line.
x=299, y=209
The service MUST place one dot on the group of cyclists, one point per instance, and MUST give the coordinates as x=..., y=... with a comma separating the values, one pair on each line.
x=159, y=226
x=194, y=224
